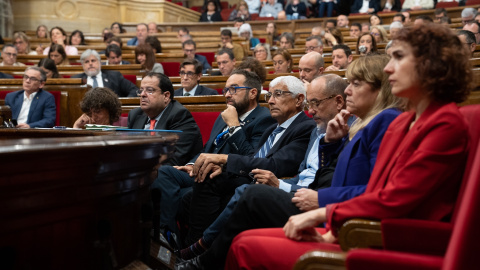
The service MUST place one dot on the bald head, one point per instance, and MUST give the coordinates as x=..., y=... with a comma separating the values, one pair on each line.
x=311, y=66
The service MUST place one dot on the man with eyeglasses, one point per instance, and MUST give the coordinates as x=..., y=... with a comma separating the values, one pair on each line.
x=189, y=49
x=190, y=75
x=237, y=130
x=226, y=63
x=269, y=202
x=310, y=66
x=9, y=56
x=314, y=44
x=468, y=40
x=158, y=110
x=94, y=76
x=32, y=107
x=468, y=15
x=473, y=27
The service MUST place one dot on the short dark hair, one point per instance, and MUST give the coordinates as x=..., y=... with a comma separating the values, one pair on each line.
x=154, y=43
x=197, y=65
x=113, y=48
x=238, y=19
x=116, y=39
x=82, y=37
x=226, y=51
x=400, y=15
x=331, y=21
x=189, y=42
x=9, y=45
x=318, y=38
x=49, y=64
x=255, y=66
x=226, y=32
x=184, y=29
x=357, y=25
x=425, y=18
x=343, y=47
x=469, y=36
x=439, y=11
x=150, y=59
x=446, y=20
x=102, y=98
x=60, y=49
x=43, y=75
x=163, y=82
x=119, y=26
x=251, y=80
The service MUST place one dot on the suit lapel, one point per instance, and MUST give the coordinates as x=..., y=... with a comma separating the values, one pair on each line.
x=34, y=104
x=286, y=134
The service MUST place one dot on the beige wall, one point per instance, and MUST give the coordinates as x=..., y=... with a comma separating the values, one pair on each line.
x=92, y=16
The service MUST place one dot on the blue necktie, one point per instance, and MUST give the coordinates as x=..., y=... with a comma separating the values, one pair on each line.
x=95, y=83
x=269, y=143
x=220, y=138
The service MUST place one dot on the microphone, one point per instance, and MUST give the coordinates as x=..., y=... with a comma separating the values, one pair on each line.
x=362, y=49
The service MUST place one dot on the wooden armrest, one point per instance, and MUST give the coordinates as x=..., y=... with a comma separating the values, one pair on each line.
x=360, y=233
x=321, y=260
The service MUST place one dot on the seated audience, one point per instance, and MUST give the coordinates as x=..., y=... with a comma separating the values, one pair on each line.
x=77, y=38
x=154, y=42
x=422, y=19
x=333, y=36
x=360, y=6
x=189, y=51
x=341, y=57
x=141, y=35
x=117, y=28
x=58, y=36
x=226, y=62
x=246, y=32
x=32, y=106
x=417, y=4
x=355, y=30
x=282, y=61
x=57, y=54
x=22, y=43
x=158, y=110
x=468, y=15
x=366, y=44
x=240, y=12
x=392, y=5
x=217, y=3
x=94, y=76
x=379, y=33
x=440, y=13
x=9, y=56
x=114, y=56
x=100, y=106
x=211, y=14
x=468, y=40
x=181, y=32
x=272, y=33
x=296, y=10
x=226, y=37
x=262, y=52
x=375, y=20
x=42, y=31
x=365, y=27
x=144, y=56
x=399, y=17
x=49, y=67
x=408, y=18
x=190, y=75
x=115, y=40
x=238, y=22
x=314, y=44
x=310, y=66
x=330, y=23
x=271, y=9
x=287, y=41
x=429, y=144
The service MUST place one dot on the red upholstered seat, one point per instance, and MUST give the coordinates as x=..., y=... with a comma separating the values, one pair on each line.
x=262, y=40
x=130, y=77
x=446, y=4
x=265, y=19
x=413, y=244
x=472, y=2
x=171, y=68
x=209, y=55
x=205, y=121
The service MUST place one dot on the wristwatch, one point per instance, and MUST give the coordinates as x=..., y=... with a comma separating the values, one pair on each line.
x=232, y=129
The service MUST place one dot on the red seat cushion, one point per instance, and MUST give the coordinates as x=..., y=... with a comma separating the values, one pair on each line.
x=209, y=55
x=205, y=121
x=130, y=77
x=171, y=68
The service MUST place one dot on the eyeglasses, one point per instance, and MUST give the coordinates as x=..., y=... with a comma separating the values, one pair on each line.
x=233, y=89
x=375, y=34
x=11, y=54
x=468, y=21
x=276, y=94
x=148, y=90
x=188, y=51
x=315, y=103
x=311, y=48
x=32, y=79
x=189, y=74
x=260, y=51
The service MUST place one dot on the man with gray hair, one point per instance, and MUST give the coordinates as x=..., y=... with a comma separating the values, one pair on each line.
x=94, y=76
x=468, y=15
x=395, y=27
x=325, y=98
x=314, y=44
x=9, y=56
x=32, y=107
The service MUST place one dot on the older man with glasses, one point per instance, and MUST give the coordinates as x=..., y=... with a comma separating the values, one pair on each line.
x=9, y=56
x=190, y=75
x=32, y=107
x=473, y=27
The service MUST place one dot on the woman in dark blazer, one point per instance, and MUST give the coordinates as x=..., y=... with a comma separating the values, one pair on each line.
x=211, y=13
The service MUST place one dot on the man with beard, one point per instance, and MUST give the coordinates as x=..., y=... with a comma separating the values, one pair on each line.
x=94, y=76
x=236, y=131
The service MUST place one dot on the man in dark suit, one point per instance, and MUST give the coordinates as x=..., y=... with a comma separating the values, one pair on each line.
x=237, y=131
x=190, y=75
x=114, y=55
x=281, y=150
x=158, y=110
x=189, y=50
x=226, y=62
x=32, y=107
x=5, y=76
x=94, y=76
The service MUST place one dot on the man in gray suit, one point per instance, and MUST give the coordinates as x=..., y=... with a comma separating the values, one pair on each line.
x=158, y=110
x=190, y=75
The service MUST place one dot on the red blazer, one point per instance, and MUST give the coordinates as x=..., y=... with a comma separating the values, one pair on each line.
x=418, y=172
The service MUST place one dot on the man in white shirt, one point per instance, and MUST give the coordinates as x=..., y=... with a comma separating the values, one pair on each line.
x=9, y=56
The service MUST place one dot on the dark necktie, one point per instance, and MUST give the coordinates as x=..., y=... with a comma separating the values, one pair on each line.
x=95, y=83
x=269, y=143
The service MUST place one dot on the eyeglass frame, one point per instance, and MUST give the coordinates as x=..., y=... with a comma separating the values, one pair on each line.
x=277, y=94
x=32, y=79
x=148, y=90
x=189, y=74
x=311, y=48
x=227, y=89
x=309, y=104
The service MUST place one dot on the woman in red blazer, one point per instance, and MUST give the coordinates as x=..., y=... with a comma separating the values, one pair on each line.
x=420, y=162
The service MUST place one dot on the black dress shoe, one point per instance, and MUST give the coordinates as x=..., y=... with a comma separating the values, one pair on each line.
x=193, y=264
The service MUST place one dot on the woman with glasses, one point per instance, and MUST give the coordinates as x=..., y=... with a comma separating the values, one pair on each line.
x=144, y=56
x=22, y=43
x=379, y=33
x=262, y=52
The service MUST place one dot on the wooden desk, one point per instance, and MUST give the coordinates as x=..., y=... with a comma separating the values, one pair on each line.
x=79, y=202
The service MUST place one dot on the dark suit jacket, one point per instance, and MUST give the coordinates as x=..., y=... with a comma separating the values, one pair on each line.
x=357, y=5
x=175, y=117
x=284, y=157
x=203, y=60
x=42, y=110
x=201, y=91
x=245, y=140
x=5, y=76
x=418, y=171
x=115, y=81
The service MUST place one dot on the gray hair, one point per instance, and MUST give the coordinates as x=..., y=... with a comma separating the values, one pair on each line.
x=396, y=25
x=9, y=46
x=294, y=84
x=245, y=28
x=89, y=52
x=467, y=12
x=334, y=85
x=317, y=38
x=43, y=75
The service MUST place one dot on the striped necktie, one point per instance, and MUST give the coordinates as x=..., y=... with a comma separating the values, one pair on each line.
x=268, y=144
x=95, y=83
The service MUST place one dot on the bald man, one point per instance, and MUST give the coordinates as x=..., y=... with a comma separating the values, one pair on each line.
x=311, y=65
